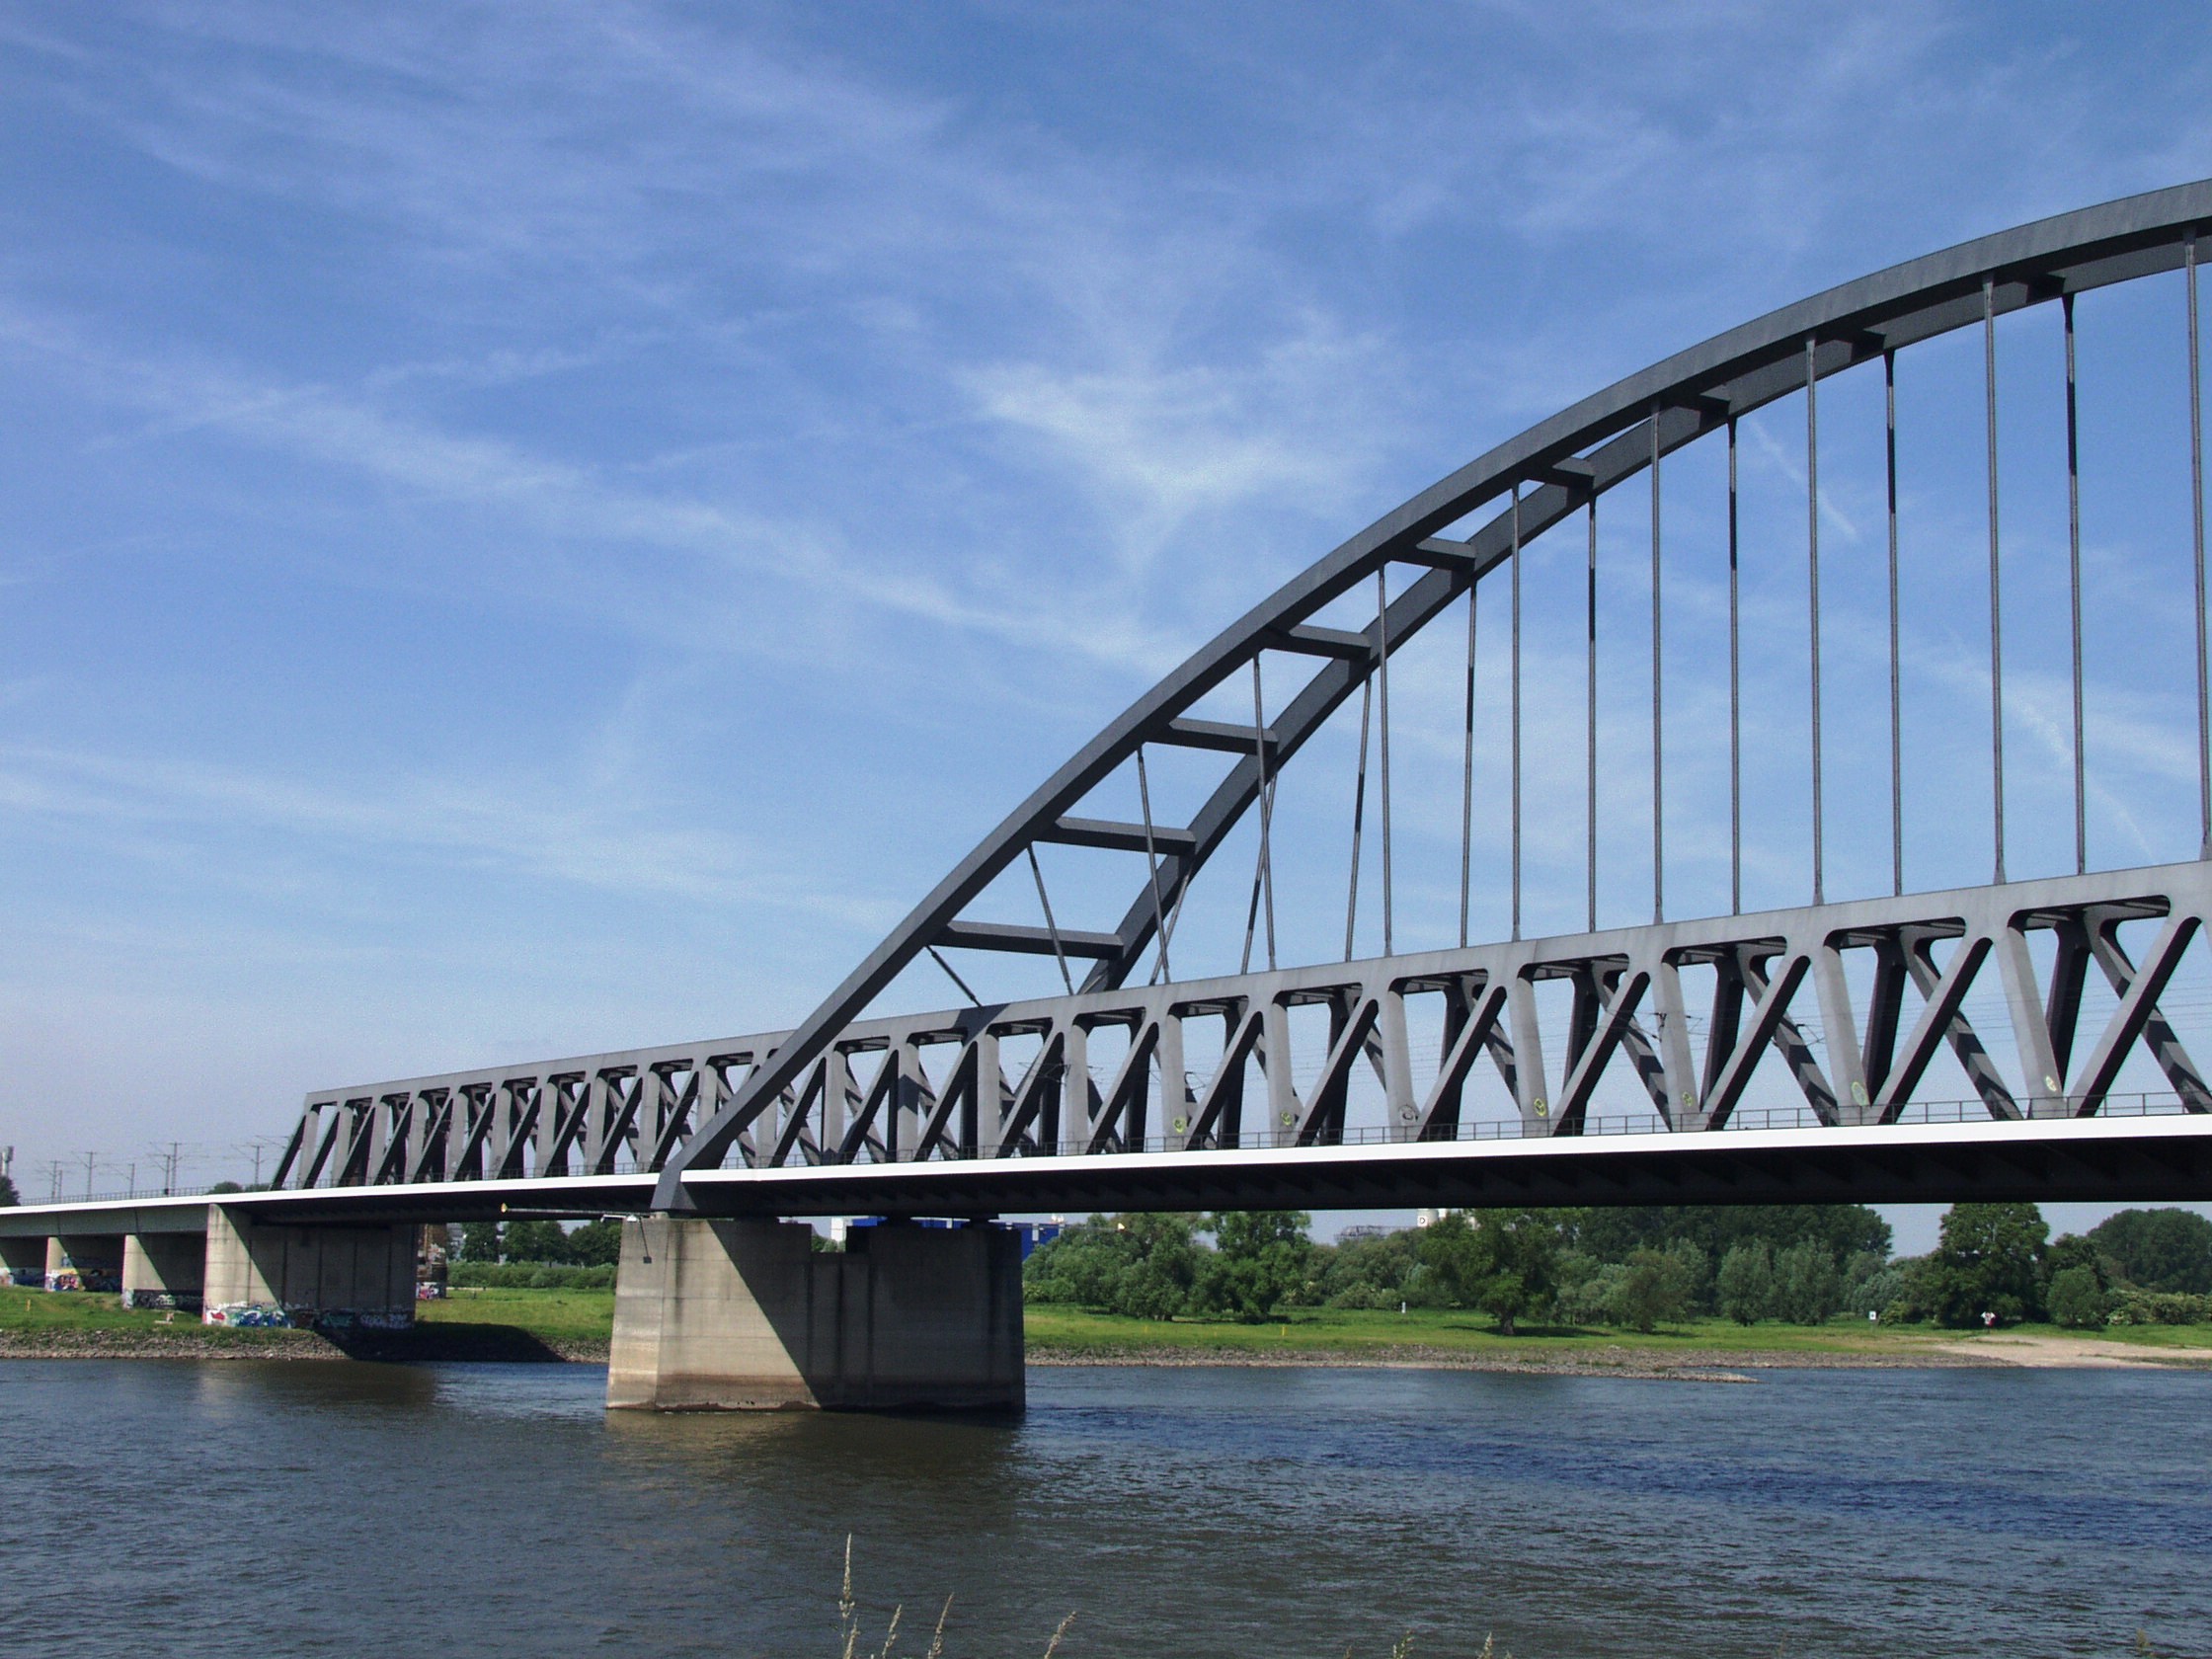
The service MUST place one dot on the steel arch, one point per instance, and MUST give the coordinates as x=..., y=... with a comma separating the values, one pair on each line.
x=1582, y=452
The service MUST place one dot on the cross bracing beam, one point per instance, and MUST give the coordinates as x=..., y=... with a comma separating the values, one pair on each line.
x=1446, y=540
x=1228, y=1064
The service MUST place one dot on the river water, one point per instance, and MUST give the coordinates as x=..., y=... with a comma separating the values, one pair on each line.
x=455, y=1511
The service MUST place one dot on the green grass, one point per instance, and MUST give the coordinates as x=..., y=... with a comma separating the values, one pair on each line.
x=2147, y=1336
x=588, y=1317
x=1474, y=1335
x=41, y=1313
x=564, y=1315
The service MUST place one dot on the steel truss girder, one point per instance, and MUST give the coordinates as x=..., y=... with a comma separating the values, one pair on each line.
x=1583, y=451
x=937, y=1086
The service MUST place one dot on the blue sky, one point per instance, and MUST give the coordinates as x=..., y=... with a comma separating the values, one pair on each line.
x=543, y=529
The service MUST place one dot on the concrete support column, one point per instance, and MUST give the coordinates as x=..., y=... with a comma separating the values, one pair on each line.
x=23, y=1261
x=738, y=1316
x=85, y=1262
x=259, y=1274
x=164, y=1270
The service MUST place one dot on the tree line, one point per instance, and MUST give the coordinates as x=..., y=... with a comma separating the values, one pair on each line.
x=538, y=1255
x=1638, y=1268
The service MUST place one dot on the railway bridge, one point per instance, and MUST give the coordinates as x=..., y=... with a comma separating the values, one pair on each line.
x=1605, y=629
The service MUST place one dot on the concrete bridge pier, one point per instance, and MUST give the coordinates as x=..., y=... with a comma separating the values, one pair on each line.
x=746, y=1315
x=79, y=1261
x=164, y=1270
x=23, y=1261
x=259, y=1273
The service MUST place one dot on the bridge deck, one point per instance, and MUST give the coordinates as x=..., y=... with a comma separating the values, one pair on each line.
x=2144, y=1160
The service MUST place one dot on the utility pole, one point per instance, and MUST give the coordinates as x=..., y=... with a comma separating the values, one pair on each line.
x=91, y=1162
x=53, y=1181
x=169, y=1161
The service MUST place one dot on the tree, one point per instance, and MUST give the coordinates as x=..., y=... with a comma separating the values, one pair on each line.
x=1259, y=1259
x=1988, y=1261
x=1368, y=1272
x=596, y=1243
x=2158, y=1249
x=1504, y=1263
x=1807, y=1287
x=1658, y=1285
x=8, y=1195
x=535, y=1241
x=2078, y=1301
x=1844, y=1228
x=480, y=1242
x=1143, y=1266
x=1867, y=1283
x=1747, y=1282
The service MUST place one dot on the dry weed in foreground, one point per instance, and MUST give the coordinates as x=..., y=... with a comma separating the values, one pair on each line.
x=848, y=1621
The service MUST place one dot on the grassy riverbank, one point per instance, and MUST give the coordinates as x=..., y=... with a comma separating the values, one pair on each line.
x=576, y=1324
x=1432, y=1336
x=474, y=1325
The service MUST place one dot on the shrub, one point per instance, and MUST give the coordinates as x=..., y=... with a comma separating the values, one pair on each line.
x=2077, y=1300
x=2160, y=1308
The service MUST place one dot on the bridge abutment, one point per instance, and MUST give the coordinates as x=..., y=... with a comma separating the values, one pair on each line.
x=260, y=1274
x=744, y=1315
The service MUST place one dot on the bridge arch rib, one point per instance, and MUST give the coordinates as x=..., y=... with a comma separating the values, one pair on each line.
x=1524, y=486
x=1540, y=476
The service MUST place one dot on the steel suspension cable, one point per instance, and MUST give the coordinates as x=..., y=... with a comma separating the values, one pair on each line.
x=1658, y=765
x=1051, y=926
x=1382, y=699
x=2073, y=583
x=1896, y=707
x=1516, y=678
x=1996, y=608
x=1735, y=699
x=1466, y=776
x=1359, y=817
x=1812, y=596
x=1263, y=871
x=1151, y=861
x=1590, y=722
x=2196, y=502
